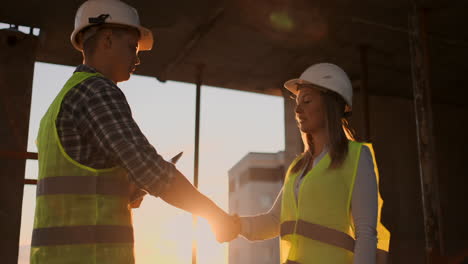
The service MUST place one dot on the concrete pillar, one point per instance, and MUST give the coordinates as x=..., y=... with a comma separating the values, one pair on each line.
x=293, y=142
x=418, y=40
x=17, y=56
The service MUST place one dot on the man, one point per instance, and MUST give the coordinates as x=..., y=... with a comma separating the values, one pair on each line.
x=93, y=159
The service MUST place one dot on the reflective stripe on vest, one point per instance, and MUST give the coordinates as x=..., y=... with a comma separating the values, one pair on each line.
x=323, y=234
x=320, y=233
x=66, y=235
x=103, y=185
x=291, y=262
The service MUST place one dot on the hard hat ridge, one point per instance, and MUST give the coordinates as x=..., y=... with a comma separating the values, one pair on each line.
x=101, y=19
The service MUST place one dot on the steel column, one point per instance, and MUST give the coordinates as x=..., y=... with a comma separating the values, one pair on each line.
x=17, y=57
x=418, y=40
x=199, y=81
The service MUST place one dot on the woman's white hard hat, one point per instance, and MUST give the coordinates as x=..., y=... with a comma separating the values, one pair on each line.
x=327, y=76
x=96, y=12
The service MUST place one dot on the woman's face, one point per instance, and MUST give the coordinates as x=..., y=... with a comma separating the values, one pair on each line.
x=310, y=111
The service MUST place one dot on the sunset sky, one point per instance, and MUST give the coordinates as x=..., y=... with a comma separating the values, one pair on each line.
x=233, y=123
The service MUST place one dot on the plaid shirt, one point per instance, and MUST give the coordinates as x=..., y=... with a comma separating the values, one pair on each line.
x=96, y=129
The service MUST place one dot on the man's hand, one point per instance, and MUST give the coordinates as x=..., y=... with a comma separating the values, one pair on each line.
x=136, y=196
x=226, y=227
x=136, y=203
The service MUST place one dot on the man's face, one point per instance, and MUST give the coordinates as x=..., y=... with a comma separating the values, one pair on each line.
x=124, y=55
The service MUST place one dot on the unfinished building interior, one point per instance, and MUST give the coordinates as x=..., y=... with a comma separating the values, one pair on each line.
x=406, y=59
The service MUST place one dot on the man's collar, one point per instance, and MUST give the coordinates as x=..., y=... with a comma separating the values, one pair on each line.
x=85, y=68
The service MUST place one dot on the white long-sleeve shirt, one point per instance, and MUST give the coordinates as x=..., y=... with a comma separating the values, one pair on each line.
x=364, y=206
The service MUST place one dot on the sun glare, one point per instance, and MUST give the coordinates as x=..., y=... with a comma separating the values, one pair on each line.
x=164, y=234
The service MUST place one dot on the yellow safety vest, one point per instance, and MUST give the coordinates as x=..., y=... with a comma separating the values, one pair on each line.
x=82, y=214
x=318, y=228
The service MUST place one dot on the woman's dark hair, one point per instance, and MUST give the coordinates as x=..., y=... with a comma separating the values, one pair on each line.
x=338, y=129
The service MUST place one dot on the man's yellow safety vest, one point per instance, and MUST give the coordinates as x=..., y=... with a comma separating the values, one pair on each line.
x=318, y=228
x=82, y=214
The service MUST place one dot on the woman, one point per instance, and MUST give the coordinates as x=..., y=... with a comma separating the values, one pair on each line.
x=330, y=195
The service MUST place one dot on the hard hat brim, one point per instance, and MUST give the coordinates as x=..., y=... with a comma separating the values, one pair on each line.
x=145, y=42
x=291, y=86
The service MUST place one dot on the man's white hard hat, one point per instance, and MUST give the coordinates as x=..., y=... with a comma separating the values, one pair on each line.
x=97, y=12
x=327, y=76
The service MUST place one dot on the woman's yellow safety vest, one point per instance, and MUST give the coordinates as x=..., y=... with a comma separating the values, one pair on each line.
x=318, y=228
x=82, y=214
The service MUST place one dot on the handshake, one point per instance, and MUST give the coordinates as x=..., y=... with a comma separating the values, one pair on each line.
x=225, y=227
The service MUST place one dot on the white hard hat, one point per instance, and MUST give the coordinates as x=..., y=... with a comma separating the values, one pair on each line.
x=95, y=12
x=327, y=76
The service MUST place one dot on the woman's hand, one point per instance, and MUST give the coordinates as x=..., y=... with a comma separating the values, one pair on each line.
x=226, y=227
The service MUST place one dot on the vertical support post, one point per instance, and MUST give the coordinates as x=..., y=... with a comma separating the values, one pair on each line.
x=17, y=57
x=293, y=141
x=199, y=80
x=425, y=138
x=363, y=51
